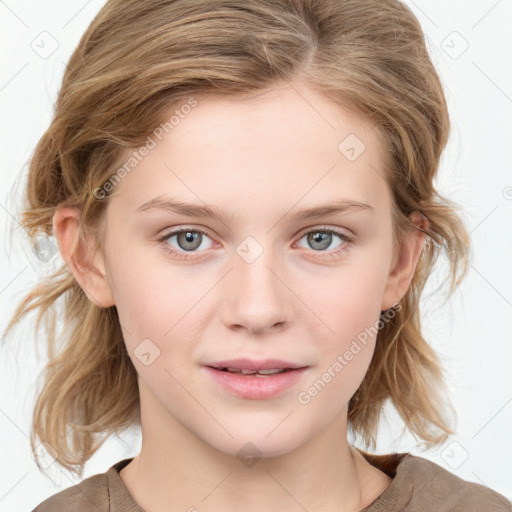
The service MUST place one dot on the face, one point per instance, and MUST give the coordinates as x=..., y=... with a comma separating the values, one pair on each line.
x=258, y=285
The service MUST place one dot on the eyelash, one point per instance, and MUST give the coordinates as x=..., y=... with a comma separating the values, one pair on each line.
x=323, y=229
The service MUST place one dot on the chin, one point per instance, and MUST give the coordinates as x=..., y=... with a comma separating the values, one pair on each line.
x=260, y=439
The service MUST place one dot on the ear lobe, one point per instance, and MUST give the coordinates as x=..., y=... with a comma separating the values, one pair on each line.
x=78, y=251
x=401, y=276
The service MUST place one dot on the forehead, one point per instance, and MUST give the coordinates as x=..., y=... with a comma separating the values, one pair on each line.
x=281, y=117
x=285, y=146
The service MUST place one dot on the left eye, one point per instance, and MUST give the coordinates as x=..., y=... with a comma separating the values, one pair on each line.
x=323, y=238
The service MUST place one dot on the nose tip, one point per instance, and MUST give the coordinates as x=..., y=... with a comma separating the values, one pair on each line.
x=258, y=299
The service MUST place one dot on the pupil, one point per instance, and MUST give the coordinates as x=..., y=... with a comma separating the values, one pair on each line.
x=321, y=238
x=188, y=240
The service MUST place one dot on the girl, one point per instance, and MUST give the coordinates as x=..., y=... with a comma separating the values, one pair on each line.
x=243, y=195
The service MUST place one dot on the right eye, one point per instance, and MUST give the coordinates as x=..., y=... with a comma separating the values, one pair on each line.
x=187, y=240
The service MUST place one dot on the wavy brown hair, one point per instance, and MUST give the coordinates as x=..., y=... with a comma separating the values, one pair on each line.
x=136, y=60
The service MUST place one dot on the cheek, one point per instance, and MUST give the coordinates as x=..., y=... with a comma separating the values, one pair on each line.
x=348, y=300
x=349, y=304
x=352, y=313
x=150, y=296
x=160, y=312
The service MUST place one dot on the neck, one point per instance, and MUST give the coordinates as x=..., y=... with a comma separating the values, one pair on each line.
x=178, y=469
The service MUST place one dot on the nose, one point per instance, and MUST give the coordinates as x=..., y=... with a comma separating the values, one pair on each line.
x=258, y=297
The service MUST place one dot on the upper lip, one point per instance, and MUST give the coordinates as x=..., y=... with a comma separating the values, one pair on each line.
x=251, y=364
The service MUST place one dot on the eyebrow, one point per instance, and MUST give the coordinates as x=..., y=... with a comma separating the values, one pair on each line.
x=206, y=211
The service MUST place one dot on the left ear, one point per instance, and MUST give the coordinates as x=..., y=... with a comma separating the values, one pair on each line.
x=401, y=276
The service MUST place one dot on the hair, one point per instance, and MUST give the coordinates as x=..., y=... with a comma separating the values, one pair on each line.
x=139, y=58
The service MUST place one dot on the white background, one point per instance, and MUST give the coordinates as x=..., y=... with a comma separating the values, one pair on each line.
x=472, y=332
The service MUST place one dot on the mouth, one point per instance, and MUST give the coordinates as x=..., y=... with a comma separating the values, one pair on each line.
x=252, y=367
x=256, y=373
x=256, y=380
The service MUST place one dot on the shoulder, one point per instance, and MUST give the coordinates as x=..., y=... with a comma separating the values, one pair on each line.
x=422, y=485
x=90, y=494
x=433, y=487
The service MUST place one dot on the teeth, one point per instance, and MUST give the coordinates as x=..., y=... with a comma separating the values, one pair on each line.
x=272, y=371
x=248, y=372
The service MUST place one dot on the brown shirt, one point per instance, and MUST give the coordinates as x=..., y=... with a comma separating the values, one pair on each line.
x=418, y=485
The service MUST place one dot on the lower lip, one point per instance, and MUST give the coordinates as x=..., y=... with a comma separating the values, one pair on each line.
x=256, y=388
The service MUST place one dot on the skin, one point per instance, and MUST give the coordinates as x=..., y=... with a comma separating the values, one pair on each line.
x=255, y=160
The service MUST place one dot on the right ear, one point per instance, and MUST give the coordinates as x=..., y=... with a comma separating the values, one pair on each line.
x=86, y=264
